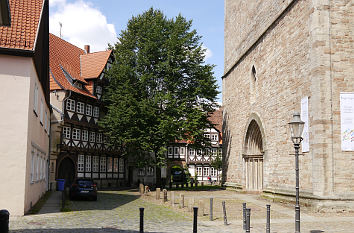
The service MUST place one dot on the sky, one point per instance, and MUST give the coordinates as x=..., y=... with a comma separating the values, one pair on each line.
x=99, y=22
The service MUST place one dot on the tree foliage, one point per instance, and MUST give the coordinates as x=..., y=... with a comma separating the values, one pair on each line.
x=160, y=88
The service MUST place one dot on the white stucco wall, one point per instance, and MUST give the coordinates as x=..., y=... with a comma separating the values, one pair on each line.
x=20, y=129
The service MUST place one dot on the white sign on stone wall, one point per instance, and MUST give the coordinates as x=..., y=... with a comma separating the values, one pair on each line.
x=305, y=118
x=347, y=121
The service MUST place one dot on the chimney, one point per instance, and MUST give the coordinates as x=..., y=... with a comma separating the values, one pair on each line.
x=87, y=48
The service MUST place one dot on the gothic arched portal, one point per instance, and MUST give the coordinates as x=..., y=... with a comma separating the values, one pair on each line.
x=253, y=157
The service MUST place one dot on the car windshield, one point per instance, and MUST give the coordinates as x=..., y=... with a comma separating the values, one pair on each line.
x=84, y=182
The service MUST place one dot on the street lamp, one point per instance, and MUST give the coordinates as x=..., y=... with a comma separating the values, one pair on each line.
x=296, y=127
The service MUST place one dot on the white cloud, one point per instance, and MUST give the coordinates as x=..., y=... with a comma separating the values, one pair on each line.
x=81, y=24
x=208, y=53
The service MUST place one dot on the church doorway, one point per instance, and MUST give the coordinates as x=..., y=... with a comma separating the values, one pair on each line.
x=253, y=158
x=67, y=171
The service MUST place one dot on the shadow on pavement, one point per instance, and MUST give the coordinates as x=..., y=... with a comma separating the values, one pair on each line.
x=107, y=200
x=76, y=230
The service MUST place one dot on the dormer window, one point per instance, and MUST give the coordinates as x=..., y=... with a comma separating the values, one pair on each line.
x=98, y=90
x=214, y=137
x=109, y=66
x=78, y=85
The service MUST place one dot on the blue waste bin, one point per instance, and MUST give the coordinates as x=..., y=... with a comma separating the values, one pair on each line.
x=61, y=184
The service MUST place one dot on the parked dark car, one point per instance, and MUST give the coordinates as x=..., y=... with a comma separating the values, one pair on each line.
x=83, y=188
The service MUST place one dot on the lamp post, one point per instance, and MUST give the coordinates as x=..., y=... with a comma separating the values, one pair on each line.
x=296, y=127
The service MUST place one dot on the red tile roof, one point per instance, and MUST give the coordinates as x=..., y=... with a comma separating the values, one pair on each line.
x=92, y=64
x=216, y=119
x=25, y=17
x=66, y=57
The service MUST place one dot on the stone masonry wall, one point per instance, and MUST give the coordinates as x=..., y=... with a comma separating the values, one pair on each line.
x=307, y=52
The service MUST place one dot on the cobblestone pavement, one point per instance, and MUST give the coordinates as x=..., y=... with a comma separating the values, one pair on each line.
x=118, y=211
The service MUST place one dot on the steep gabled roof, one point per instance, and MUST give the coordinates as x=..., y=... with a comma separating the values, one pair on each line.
x=22, y=32
x=216, y=119
x=69, y=64
x=92, y=64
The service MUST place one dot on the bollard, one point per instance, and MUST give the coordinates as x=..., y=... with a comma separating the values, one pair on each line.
x=164, y=195
x=141, y=220
x=268, y=219
x=244, y=215
x=195, y=217
x=224, y=212
x=173, y=198
x=141, y=189
x=181, y=204
x=248, y=219
x=201, y=208
x=211, y=209
x=4, y=221
x=158, y=193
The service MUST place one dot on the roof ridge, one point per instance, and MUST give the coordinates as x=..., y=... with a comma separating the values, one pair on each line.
x=68, y=43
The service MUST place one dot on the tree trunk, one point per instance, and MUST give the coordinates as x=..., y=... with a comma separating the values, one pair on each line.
x=158, y=176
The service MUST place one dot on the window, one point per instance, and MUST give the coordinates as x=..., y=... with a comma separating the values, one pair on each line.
x=88, y=109
x=199, y=171
x=99, y=90
x=115, y=165
x=214, y=137
x=213, y=171
x=32, y=164
x=214, y=151
x=206, y=135
x=37, y=166
x=88, y=163
x=150, y=171
x=85, y=135
x=103, y=164
x=191, y=151
x=207, y=151
x=66, y=132
x=70, y=105
x=96, y=112
x=46, y=120
x=80, y=107
x=141, y=172
x=182, y=150
x=41, y=114
x=80, y=163
x=121, y=165
x=92, y=136
x=99, y=138
x=95, y=164
x=206, y=171
x=110, y=164
x=176, y=151
x=199, y=152
x=76, y=134
x=170, y=151
x=35, y=105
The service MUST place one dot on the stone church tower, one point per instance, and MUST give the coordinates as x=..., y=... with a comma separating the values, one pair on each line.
x=285, y=56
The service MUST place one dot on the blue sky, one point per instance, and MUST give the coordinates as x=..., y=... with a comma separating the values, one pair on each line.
x=99, y=22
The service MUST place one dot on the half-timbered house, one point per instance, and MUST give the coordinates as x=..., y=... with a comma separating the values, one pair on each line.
x=199, y=161
x=78, y=149
x=24, y=101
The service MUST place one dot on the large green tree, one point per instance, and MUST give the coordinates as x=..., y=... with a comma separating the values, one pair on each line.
x=160, y=88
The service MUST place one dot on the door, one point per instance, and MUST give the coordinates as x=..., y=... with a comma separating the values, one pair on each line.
x=67, y=171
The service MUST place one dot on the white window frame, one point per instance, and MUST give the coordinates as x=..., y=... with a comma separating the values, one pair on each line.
x=99, y=138
x=115, y=165
x=70, y=105
x=85, y=136
x=191, y=151
x=206, y=171
x=41, y=113
x=109, y=164
x=170, y=150
x=199, y=171
x=103, y=164
x=35, y=104
x=213, y=172
x=206, y=135
x=67, y=132
x=95, y=164
x=76, y=135
x=88, y=109
x=214, y=152
x=121, y=165
x=176, y=150
x=149, y=171
x=96, y=111
x=92, y=136
x=214, y=137
x=182, y=150
x=99, y=90
x=88, y=163
x=80, y=107
x=81, y=163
